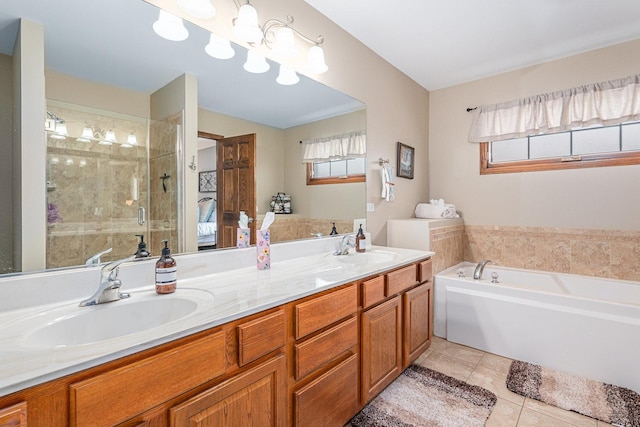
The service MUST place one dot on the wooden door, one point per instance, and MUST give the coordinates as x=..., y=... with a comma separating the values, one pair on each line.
x=417, y=322
x=381, y=347
x=236, y=159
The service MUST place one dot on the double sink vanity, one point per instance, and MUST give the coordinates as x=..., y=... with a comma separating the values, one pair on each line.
x=308, y=342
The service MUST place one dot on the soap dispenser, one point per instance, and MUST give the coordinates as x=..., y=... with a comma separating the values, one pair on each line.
x=142, y=251
x=361, y=240
x=166, y=272
x=333, y=230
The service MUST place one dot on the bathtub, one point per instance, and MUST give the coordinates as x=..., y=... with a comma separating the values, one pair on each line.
x=581, y=325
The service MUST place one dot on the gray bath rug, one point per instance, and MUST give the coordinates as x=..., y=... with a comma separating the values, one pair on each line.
x=605, y=402
x=421, y=397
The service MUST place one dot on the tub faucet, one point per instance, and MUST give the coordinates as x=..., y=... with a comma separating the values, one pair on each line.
x=345, y=244
x=477, y=273
x=109, y=289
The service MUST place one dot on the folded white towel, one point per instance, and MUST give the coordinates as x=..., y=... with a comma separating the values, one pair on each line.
x=387, y=184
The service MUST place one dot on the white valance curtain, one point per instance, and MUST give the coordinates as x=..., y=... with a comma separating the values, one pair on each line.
x=605, y=103
x=335, y=147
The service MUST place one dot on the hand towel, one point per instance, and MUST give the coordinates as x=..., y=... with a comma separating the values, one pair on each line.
x=387, y=184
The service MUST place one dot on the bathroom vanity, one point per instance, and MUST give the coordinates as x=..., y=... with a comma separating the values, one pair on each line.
x=307, y=343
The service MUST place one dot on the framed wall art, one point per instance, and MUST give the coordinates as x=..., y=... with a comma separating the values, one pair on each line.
x=406, y=155
x=207, y=182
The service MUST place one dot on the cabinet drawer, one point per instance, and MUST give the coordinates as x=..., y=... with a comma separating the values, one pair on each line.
x=321, y=349
x=425, y=271
x=399, y=280
x=14, y=416
x=330, y=400
x=313, y=315
x=118, y=395
x=373, y=291
x=260, y=336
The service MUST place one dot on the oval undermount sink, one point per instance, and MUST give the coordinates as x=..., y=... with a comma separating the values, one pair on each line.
x=369, y=257
x=70, y=326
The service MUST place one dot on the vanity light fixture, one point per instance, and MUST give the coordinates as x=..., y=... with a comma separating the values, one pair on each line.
x=256, y=62
x=201, y=9
x=284, y=45
x=287, y=76
x=219, y=47
x=170, y=27
x=109, y=138
x=87, y=135
x=245, y=26
x=315, y=60
x=131, y=141
x=60, y=132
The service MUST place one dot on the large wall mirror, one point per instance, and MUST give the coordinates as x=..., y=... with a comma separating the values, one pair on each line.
x=105, y=69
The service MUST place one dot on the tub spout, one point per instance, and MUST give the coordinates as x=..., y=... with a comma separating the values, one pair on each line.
x=477, y=273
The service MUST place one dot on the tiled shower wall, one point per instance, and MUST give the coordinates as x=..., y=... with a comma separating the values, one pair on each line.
x=592, y=252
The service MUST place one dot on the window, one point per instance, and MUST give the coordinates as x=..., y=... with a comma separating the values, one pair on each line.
x=336, y=171
x=579, y=148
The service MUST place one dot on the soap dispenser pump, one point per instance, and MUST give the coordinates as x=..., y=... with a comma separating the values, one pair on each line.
x=361, y=240
x=166, y=272
x=142, y=251
x=333, y=230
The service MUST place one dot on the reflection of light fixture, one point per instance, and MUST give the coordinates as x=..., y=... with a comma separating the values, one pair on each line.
x=287, y=76
x=245, y=26
x=256, y=62
x=60, y=132
x=69, y=162
x=55, y=160
x=131, y=141
x=284, y=46
x=87, y=135
x=219, y=47
x=170, y=27
x=82, y=163
x=202, y=9
x=109, y=138
x=315, y=60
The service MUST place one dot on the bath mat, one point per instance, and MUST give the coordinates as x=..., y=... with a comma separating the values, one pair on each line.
x=426, y=398
x=605, y=402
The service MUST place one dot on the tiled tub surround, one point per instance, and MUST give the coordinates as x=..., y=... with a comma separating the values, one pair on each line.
x=448, y=244
x=586, y=326
x=293, y=227
x=298, y=269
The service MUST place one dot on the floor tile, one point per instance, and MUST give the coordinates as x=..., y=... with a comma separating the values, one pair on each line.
x=496, y=382
x=495, y=362
x=529, y=418
x=504, y=414
x=447, y=365
x=571, y=417
x=467, y=354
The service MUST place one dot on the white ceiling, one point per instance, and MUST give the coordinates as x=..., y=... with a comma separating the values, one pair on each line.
x=112, y=42
x=440, y=43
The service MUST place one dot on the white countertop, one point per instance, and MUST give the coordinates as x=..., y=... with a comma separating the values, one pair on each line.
x=237, y=292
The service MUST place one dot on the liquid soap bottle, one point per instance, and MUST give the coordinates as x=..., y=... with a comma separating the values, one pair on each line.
x=333, y=230
x=361, y=240
x=166, y=272
x=142, y=251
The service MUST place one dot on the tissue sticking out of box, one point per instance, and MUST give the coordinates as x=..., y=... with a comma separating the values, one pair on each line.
x=436, y=209
x=244, y=220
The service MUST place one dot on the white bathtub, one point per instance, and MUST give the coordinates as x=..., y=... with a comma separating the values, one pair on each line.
x=582, y=325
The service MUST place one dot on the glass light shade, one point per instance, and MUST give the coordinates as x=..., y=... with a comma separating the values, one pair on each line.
x=68, y=162
x=109, y=138
x=83, y=163
x=245, y=26
x=60, y=132
x=202, y=9
x=284, y=46
x=256, y=62
x=87, y=135
x=287, y=76
x=219, y=47
x=170, y=27
x=315, y=60
x=132, y=140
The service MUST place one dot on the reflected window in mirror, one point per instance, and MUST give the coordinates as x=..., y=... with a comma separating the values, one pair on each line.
x=336, y=171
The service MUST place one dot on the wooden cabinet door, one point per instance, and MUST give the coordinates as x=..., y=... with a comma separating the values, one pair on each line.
x=254, y=398
x=417, y=322
x=381, y=347
x=14, y=416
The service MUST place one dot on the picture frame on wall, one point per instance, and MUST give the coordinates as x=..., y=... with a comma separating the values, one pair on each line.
x=406, y=159
x=207, y=181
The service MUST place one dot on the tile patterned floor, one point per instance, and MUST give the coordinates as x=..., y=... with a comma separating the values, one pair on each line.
x=490, y=371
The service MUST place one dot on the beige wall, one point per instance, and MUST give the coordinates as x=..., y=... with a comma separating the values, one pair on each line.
x=6, y=211
x=397, y=107
x=596, y=198
x=337, y=201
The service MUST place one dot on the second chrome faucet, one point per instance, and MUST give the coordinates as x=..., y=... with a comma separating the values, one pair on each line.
x=477, y=273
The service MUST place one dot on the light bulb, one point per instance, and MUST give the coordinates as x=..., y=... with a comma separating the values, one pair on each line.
x=245, y=26
x=256, y=62
x=170, y=27
x=287, y=76
x=202, y=9
x=219, y=47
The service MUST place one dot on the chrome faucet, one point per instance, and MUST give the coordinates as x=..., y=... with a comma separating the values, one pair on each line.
x=345, y=244
x=95, y=259
x=477, y=273
x=109, y=289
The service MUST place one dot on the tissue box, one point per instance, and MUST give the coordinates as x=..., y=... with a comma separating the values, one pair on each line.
x=243, y=237
x=263, y=245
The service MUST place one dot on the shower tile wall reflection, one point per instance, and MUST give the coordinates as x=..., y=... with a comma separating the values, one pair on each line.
x=94, y=190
